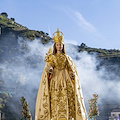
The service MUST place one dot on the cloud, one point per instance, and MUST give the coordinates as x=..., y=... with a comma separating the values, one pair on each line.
x=78, y=18
x=74, y=42
x=49, y=31
x=101, y=81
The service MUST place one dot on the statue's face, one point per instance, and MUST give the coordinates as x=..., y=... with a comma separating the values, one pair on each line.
x=59, y=46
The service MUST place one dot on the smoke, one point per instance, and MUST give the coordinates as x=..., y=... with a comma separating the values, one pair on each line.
x=101, y=81
x=22, y=70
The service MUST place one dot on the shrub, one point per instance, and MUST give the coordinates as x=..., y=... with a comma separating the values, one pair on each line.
x=4, y=14
x=13, y=19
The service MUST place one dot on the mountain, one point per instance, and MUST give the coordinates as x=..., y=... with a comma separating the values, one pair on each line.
x=10, y=26
x=22, y=62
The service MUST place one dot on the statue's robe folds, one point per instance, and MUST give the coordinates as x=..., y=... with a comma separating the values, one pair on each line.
x=60, y=98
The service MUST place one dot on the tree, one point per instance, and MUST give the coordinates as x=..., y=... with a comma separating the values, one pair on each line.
x=26, y=115
x=93, y=111
x=83, y=45
x=4, y=14
x=13, y=19
x=47, y=34
x=41, y=32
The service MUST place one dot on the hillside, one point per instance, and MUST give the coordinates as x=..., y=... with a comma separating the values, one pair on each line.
x=101, y=53
x=9, y=25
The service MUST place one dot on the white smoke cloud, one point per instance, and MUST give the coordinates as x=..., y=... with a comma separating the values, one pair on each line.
x=105, y=84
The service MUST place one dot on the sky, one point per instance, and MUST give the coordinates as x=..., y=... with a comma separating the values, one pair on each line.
x=93, y=22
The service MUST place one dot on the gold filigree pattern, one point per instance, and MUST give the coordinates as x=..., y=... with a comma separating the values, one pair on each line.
x=45, y=104
x=62, y=91
x=71, y=100
x=58, y=102
x=60, y=61
x=79, y=107
x=79, y=100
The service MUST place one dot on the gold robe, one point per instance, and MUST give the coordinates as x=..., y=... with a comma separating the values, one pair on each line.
x=61, y=97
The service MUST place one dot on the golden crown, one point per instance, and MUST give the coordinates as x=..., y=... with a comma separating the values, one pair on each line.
x=59, y=37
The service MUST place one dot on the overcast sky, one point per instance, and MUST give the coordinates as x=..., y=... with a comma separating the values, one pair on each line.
x=93, y=22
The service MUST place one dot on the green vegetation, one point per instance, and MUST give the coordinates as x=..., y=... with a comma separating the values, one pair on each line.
x=23, y=31
x=93, y=110
x=13, y=19
x=4, y=14
x=3, y=99
x=25, y=109
x=102, y=53
x=19, y=30
x=6, y=22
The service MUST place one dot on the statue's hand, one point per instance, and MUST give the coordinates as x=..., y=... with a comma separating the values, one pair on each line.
x=49, y=69
x=50, y=76
x=72, y=75
x=50, y=72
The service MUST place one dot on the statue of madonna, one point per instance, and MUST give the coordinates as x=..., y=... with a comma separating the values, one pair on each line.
x=60, y=95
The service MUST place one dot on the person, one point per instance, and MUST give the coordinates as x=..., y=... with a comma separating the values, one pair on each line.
x=60, y=95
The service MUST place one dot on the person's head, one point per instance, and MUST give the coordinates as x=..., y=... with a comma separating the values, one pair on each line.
x=58, y=46
x=58, y=42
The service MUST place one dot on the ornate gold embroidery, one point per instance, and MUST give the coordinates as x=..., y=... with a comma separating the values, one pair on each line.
x=80, y=104
x=81, y=99
x=71, y=100
x=58, y=103
x=71, y=66
x=62, y=98
x=60, y=61
x=79, y=107
x=45, y=104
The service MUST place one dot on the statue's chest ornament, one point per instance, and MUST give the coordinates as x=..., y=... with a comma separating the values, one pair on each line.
x=60, y=61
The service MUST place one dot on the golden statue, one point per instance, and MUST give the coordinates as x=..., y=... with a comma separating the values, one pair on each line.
x=60, y=95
